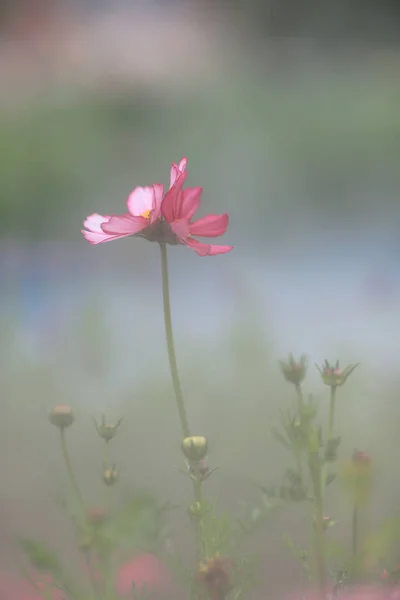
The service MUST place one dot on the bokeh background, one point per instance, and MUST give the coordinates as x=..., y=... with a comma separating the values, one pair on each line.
x=289, y=115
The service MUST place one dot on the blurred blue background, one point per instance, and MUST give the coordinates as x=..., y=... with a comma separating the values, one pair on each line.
x=291, y=125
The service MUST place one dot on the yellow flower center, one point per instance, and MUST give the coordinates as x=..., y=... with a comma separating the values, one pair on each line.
x=146, y=214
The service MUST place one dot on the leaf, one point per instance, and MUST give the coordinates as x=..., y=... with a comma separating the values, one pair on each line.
x=41, y=556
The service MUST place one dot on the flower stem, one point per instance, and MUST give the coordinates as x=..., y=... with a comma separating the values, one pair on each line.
x=354, y=526
x=170, y=343
x=300, y=407
x=331, y=422
x=79, y=497
x=332, y=402
x=68, y=465
x=315, y=472
x=300, y=401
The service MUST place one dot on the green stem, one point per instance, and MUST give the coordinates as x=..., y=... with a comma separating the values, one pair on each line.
x=331, y=422
x=354, y=526
x=108, y=489
x=315, y=472
x=67, y=461
x=95, y=585
x=331, y=412
x=300, y=403
x=170, y=343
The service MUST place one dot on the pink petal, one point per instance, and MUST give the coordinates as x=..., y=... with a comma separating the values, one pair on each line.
x=171, y=204
x=93, y=232
x=190, y=202
x=98, y=238
x=206, y=249
x=158, y=196
x=210, y=226
x=95, y=221
x=176, y=170
x=181, y=229
x=140, y=200
x=124, y=225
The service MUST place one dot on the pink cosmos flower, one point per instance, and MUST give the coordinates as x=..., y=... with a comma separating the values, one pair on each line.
x=161, y=218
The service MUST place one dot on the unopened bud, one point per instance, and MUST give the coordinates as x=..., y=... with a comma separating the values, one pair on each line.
x=293, y=370
x=106, y=430
x=333, y=376
x=61, y=416
x=195, y=447
x=195, y=510
x=110, y=476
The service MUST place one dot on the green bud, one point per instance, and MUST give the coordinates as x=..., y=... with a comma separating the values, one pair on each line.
x=110, y=476
x=294, y=371
x=195, y=447
x=106, y=430
x=333, y=376
x=61, y=416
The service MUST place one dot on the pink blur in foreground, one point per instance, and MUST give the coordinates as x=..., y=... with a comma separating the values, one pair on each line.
x=13, y=587
x=146, y=571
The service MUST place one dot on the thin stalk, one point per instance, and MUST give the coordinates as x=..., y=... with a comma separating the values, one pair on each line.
x=78, y=494
x=95, y=586
x=170, y=343
x=300, y=405
x=300, y=401
x=354, y=529
x=331, y=422
x=68, y=465
x=315, y=473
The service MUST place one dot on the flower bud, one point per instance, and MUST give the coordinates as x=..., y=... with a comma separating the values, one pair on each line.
x=110, y=476
x=195, y=510
x=216, y=575
x=195, y=447
x=106, y=430
x=61, y=416
x=294, y=371
x=333, y=376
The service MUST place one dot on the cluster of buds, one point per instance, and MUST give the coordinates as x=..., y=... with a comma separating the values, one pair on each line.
x=216, y=575
x=61, y=416
x=333, y=375
x=110, y=475
x=105, y=430
x=294, y=371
